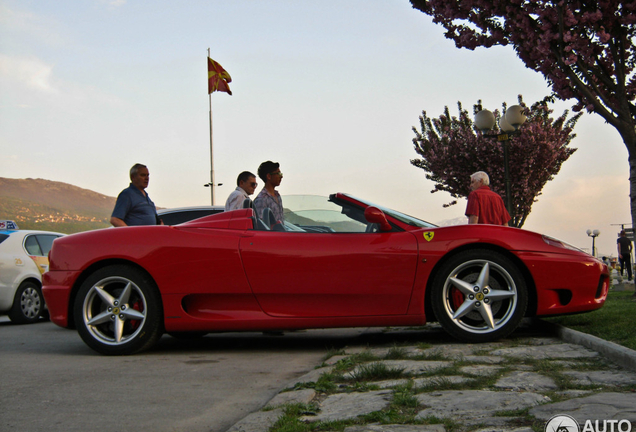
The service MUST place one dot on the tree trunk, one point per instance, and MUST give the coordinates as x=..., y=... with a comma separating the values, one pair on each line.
x=629, y=139
x=632, y=188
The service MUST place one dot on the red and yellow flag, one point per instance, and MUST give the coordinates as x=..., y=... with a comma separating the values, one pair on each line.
x=218, y=78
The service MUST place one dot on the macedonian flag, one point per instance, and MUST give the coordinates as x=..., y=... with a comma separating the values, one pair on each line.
x=218, y=78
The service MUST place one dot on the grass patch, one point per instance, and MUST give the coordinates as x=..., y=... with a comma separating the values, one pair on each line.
x=391, y=416
x=404, y=397
x=553, y=370
x=523, y=412
x=520, y=418
x=403, y=409
x=396, y=353
x=440, y=383
x=544, y=366
x=325, y=383
x=290, y=420
x=613, y=322
x=424, y=345
x=351, y=361
x=375, y=372
x=449, y=424
x=333, y=352
x=431, y=355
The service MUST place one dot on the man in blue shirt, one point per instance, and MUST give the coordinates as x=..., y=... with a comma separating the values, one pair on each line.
x=133, y=206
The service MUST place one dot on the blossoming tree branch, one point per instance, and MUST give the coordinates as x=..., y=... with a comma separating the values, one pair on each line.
x=584, y=49
x=451, y=150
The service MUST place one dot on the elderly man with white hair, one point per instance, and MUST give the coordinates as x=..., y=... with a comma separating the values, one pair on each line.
x=485, y=206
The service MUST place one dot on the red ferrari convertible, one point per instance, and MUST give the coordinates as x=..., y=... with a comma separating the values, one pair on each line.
x=334, y=262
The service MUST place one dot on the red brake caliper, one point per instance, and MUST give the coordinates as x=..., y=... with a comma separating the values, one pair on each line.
x=138, y=306
x=457, y=298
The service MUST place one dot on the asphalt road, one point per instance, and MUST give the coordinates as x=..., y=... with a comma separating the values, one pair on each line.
x=51, y=381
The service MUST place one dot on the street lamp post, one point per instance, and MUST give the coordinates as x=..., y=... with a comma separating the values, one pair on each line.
x=509, y=124
x=210, y=184
x=595, y=233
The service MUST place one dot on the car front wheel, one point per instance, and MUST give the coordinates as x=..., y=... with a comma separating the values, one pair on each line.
x=479, y=296
x=118, y=311
x=28, y=304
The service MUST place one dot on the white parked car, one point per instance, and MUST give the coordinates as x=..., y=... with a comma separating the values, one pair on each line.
x=23, y=260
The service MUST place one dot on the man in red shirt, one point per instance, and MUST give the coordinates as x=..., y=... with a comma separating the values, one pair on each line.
x=485, y=206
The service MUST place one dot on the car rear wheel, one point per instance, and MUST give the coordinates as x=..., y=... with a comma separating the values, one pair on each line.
x=479, y=296
x=118, y=311
x=28, y=304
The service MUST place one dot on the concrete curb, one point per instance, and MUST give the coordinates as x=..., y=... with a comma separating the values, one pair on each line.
x=620, y=355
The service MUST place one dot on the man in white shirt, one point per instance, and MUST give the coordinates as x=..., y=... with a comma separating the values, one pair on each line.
x=246, y=185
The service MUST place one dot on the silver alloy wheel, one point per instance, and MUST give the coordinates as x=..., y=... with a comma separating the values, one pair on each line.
x=114, y=310
x=30, y=303
x=489, y=296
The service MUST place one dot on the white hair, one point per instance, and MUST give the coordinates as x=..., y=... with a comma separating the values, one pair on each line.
x=135, y=169
x=480, y=175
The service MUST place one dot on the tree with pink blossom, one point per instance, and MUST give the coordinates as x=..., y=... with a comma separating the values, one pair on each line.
x=584, y=49
x=451, y=150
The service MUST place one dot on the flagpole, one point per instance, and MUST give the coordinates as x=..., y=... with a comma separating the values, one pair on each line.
x=212, y=183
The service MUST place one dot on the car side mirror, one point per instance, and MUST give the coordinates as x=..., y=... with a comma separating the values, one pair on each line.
x=375, y=215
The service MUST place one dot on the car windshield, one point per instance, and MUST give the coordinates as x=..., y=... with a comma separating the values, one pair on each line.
x=409, y=220
x=314, y=213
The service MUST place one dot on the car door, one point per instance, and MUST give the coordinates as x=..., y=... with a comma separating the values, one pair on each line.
x=330, y=274
x=37, y=247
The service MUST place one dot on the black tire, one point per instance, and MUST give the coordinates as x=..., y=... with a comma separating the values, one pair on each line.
x=118, y=311
x=28, y=304
x=479, y=296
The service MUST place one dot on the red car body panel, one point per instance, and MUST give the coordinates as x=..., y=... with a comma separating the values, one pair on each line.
x=552, y=269
x=330, y=275
x=218, y=274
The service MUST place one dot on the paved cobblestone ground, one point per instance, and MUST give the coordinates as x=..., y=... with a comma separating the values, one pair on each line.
x=516, y=384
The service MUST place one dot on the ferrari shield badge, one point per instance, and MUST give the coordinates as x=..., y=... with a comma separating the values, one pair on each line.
x=428, y=235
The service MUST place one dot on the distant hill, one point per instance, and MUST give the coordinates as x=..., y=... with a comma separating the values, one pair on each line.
x=53, y=206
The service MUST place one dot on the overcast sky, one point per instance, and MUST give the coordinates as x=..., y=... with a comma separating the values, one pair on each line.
x=329, y=88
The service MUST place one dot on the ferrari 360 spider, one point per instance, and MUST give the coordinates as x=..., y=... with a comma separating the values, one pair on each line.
x=334, y=262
